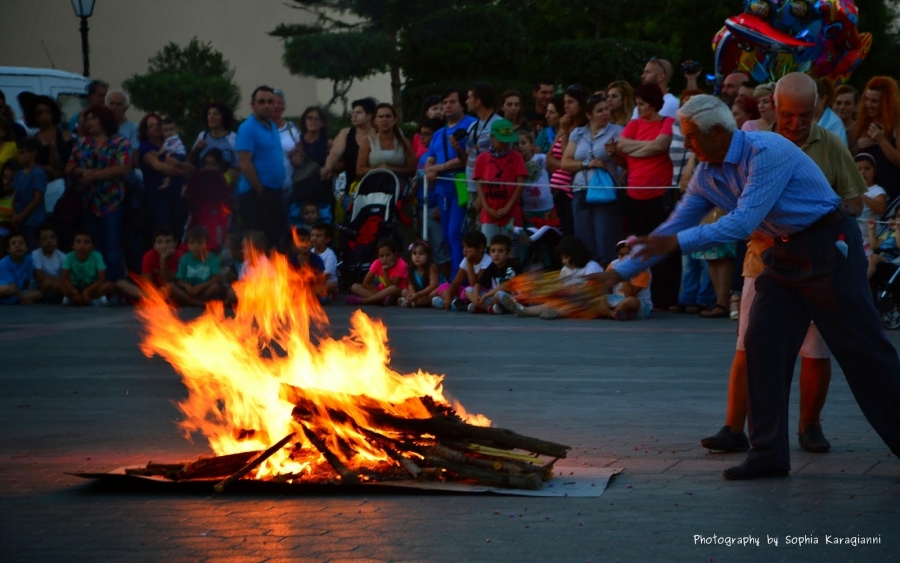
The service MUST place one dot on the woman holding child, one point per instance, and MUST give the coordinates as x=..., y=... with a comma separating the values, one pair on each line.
x=162, y=198
x=98, y=166
x=599, y=225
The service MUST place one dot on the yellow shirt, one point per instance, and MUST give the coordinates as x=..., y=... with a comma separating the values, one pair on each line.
x=8, y=151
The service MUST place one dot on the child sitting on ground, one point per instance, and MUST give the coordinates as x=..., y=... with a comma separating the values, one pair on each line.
x=630, y=299
x=48, y=262
x=17, y=273
x=159, y=265
x=30, y=184
x=84, y=274
x=302, y=257
x=320, y=238
x=577, y=263
x=489, y=289
x=422, y=278
x=197, y=280
x=456, y=295
x=385, y=280
x=497, y=172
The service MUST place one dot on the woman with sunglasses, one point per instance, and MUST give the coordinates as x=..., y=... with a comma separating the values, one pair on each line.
x=599, y=226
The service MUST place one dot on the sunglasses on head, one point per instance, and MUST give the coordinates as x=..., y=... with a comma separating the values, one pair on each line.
x=596, y=99
x=576, y=89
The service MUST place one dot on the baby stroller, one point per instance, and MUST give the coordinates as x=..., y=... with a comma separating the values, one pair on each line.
x=209, y=205
x=372, y=216
x=886, y=287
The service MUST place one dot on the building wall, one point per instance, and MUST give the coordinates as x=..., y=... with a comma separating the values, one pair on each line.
x=124, y=34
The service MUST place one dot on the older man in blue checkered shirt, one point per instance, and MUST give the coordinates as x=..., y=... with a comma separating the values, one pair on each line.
x=815, y=272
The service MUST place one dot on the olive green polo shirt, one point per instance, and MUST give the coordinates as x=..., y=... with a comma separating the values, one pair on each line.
x=833, y=158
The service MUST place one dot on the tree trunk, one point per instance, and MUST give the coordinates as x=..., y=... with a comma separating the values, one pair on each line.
x=396, y=94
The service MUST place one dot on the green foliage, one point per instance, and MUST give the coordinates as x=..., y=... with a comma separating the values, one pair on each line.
x=878, y=17
x=460, y=46
x=597, y=62
x=181, y=81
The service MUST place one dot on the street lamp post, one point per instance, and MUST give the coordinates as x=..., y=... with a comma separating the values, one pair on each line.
x=84, y=9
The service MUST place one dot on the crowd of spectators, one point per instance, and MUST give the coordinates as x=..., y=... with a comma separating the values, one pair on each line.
x=513, y=182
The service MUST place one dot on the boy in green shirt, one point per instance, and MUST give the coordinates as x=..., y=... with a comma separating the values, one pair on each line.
x=197, y=280
x=84, y=274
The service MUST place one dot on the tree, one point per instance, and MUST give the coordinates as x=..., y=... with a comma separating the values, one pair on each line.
x=181, y=81
x=352, y=39
x=457, y=47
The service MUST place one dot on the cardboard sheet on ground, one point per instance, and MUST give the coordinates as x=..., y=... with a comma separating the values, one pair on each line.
x=576, y=482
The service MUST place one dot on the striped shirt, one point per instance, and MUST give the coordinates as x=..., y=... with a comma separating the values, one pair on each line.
x=765, y=183
x=560, y=179
x=678, y=154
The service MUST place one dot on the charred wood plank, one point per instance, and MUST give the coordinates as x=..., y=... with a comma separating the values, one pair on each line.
x=253, y=464
x=347, y=476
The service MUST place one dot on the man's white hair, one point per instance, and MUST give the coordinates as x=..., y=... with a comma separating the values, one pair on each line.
x=123, y=92
x=706, y=112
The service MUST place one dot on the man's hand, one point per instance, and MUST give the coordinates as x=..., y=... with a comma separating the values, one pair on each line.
x=607, y=279
x=656, y=246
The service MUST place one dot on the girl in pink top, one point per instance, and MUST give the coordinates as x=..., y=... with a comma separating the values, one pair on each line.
x=385, y=280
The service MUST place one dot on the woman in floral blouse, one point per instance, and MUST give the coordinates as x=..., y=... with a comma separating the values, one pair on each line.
x=98, y=166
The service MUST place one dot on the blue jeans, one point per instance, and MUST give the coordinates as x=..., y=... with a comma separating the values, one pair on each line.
x=696, y=287
x=452, y=219
x=107, y=232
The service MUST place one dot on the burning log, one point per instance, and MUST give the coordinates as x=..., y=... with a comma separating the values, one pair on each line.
x=530, y=482
x=449, y=429
x=211, y=467
x=493, y=464
x=389, y=446
x=253, y=464
x=347, y=476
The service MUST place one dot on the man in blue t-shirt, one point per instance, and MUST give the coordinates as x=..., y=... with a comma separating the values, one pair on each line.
x=443, y=162
x=262, y=171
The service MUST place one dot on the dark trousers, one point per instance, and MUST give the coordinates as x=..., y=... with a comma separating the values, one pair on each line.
x=265, y=212
x=562, y=201
x=809, y=279
x=643, y=216
x=599, y=227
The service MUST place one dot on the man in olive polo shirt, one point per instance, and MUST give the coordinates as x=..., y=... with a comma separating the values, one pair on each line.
x=795, y=105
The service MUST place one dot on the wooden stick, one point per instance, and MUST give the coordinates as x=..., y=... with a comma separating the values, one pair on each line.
x=253, y=464
x=389, y=445
x=486, y=476
x=213, y=467
x=490, y=464
x=347, y=476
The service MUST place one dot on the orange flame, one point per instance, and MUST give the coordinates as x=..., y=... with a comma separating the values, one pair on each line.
x=237, y=368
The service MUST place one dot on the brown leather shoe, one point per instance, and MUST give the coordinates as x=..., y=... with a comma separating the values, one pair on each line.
x=813, y=441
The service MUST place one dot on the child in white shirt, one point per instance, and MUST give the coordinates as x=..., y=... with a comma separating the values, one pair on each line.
x=48, y=263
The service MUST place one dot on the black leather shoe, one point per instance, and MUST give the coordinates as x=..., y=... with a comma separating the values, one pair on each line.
x=726, y=441
x=813, y=441
x=752, y=469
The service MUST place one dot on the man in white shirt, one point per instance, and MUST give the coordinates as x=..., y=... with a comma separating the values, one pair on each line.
x=659, y=72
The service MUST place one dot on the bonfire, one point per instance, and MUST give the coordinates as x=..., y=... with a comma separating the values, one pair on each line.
x=278, y=398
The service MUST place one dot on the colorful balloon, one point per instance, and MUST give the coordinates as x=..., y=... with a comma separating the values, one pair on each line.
x=774, y=37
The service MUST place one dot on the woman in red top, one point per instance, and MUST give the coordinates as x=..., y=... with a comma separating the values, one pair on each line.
x=643, y=148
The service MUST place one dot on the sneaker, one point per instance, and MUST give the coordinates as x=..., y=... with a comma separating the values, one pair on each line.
x=470, y=308
x=100, y=301
x=726, y=441
x=622, y=315
x=509, y=304
x=437, y=302
x=353, y=300
x=459, y=305
x=549, y=314
x=402, y=302
x=496, y=309
x=66, y=301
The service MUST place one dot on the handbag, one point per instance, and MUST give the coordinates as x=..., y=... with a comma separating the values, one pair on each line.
x=601, y=188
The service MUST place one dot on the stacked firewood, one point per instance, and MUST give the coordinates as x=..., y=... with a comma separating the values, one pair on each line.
x=441, y=447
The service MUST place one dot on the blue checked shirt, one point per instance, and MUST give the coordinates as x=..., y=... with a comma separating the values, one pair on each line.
x=766, y=183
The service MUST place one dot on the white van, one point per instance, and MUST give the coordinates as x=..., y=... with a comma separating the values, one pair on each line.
x=67, y=88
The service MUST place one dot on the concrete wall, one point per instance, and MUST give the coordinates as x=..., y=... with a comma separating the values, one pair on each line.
x=124, y=34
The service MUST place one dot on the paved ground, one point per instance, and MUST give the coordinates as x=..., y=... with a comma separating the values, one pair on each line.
x=78, y=395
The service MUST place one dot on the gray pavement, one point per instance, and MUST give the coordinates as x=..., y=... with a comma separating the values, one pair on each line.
x=79, y=395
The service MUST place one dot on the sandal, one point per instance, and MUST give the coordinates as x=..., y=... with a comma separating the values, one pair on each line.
x=716, y=312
